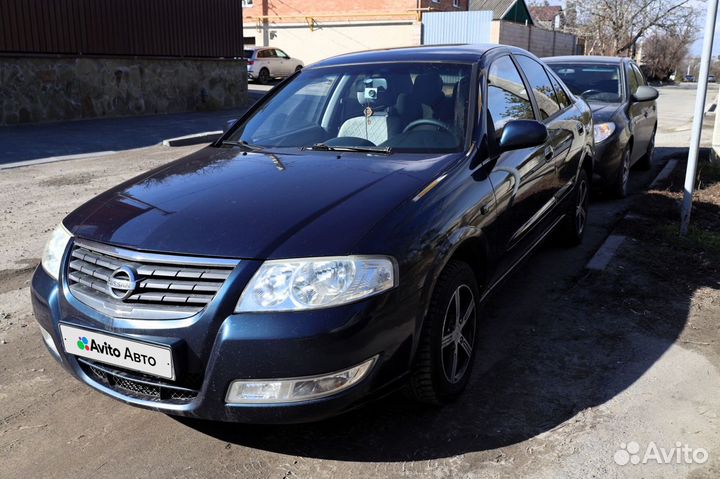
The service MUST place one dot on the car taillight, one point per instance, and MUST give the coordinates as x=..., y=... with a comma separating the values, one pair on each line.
x=250, y=62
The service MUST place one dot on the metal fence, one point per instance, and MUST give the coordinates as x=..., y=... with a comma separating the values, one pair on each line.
x=457, y=27
x=164, y=28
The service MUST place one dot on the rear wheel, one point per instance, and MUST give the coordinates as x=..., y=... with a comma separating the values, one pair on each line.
x=298, y=68
x=264, y=76
x=572, y=227
x=645, y=163
x=448, y=341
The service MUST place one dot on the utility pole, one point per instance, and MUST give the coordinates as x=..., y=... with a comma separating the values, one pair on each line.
x=691, y=172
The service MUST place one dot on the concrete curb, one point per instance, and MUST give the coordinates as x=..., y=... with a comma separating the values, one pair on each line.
x=607, y=251
x=196, y=139
x=54, y=159
x=664, y=173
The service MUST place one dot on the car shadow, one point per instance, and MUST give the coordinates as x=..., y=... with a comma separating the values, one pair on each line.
x=557, y=340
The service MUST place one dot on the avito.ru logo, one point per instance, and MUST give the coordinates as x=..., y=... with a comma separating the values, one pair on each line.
x=83, y=343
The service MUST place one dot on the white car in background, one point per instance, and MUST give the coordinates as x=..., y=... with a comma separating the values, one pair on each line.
x=266, y=63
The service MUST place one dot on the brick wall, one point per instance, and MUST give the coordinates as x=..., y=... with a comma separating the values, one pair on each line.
x=344, y=7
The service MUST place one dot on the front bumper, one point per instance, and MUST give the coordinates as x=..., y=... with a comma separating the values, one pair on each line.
x=608, y=159
x=216, y=346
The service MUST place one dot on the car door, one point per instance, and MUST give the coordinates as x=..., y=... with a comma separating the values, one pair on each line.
x=563, y=126
x=524, y=180
x=261, y=61
x=286, y=64
x=278, y=64
x=647, y=117
x=578, y=125
x=637, y=112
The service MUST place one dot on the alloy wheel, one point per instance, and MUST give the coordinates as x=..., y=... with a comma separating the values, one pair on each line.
x=625, y=172
x=458, y=334
x=581, y=206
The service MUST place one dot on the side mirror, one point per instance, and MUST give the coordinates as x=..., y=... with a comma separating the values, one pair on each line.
x=229, y=124
x=519, y=134
x=645, y=93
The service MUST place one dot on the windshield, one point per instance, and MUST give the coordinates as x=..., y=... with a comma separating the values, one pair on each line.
x=248, y=53
x=593, y=82
x=413, y=107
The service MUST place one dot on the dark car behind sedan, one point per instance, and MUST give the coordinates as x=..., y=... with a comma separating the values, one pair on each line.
x=624, y=113
x=336, y=243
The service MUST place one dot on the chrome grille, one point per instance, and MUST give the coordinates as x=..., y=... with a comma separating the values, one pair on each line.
x=130, y=284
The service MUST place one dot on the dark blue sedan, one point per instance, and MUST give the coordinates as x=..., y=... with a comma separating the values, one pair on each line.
x=335, y=244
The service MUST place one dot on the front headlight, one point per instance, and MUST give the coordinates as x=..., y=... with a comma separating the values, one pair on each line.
x=603, y=131
x=312, y=283
x=54, y=249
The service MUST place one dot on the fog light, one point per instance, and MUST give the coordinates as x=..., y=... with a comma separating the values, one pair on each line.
x=298, y=389
x=49, y=341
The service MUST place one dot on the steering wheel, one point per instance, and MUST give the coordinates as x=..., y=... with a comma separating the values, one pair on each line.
x=428, y=121
x=591, y=91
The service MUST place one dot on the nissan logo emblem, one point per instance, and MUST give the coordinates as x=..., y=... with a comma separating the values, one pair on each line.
x=122, y=283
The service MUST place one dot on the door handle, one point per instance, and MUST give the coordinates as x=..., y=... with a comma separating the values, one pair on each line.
x=549, y=153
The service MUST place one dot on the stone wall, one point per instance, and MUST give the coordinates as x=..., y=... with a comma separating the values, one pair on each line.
x=35, y=89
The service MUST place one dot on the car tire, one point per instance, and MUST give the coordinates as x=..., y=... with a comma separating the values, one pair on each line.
x=449, y=338
x=298, y=68
x=645, y=163
x=264, y=76
x=572, y=228
x=619, y=187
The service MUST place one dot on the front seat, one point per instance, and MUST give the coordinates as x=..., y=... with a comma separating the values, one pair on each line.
x=375, y=128
x=428, y=91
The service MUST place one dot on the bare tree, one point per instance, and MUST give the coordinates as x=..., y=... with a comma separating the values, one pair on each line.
x=664, y=51
x=614, y=27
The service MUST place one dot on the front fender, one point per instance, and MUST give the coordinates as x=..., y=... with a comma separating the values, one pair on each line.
x=446, y=251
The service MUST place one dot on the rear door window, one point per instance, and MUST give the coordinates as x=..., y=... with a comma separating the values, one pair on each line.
x=541, y=86
x=560, y=95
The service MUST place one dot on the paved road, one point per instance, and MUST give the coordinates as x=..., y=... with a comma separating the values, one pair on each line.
x=30, y=142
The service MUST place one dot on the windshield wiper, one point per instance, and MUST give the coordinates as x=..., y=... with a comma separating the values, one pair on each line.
x=242, y=144
x=386, y=150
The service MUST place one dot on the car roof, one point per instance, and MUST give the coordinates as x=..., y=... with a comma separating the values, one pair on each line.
x=585, y=59
x=448, y=53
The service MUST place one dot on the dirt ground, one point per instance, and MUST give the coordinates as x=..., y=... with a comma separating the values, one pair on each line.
x=576, y=368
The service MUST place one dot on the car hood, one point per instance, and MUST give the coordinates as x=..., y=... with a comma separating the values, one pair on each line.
x=229, y=203
x=603, y=111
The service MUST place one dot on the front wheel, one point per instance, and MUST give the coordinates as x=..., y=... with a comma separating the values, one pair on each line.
x=645, y=163
x=619, y=186
x=572, y=227
x=449, y=337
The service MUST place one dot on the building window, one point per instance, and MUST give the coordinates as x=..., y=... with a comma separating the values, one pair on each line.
x=247, y=3
x=456, y=3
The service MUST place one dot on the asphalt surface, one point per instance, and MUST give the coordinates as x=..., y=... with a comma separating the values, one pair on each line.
x=545, y=400
x=37, y=141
